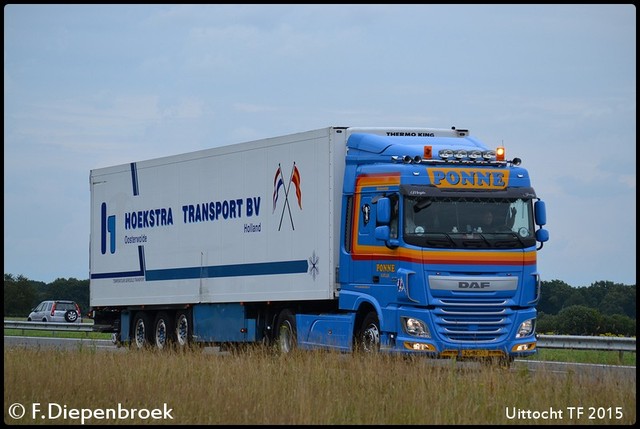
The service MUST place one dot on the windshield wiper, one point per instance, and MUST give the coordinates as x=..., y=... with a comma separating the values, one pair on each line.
x=484, y=238
x=512, y=234
x=471, y=239
x=433, y=239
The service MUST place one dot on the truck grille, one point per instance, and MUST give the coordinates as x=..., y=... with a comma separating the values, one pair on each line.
x=460, y=321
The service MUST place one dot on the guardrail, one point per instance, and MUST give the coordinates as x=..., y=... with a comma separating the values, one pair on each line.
x=48, y=326
x=578, y=342
x=620, y=344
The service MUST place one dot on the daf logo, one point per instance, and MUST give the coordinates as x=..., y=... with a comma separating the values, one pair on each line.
x=473, y=285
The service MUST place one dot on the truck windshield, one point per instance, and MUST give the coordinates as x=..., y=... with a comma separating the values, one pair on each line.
x=465, y=222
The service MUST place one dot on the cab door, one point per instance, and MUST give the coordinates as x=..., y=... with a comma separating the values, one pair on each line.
x=375, y=259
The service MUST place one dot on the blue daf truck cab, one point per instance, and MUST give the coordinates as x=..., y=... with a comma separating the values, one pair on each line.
x=438, y=250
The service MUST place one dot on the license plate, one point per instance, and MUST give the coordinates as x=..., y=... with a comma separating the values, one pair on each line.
x=476, y=353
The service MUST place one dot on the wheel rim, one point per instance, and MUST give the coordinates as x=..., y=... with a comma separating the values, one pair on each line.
x=161, y=334
x=371, y=338
x=140, y=334
x=182, y=330
x=285, y=337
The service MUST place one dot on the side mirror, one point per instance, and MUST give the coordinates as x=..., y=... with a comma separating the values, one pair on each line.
x=383, y=211
x=542, y=235
x=540, y=213
x=383, y=233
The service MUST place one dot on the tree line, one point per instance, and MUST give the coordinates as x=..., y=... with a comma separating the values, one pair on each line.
x=603, y=308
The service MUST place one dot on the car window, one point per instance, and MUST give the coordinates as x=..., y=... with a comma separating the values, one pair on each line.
x=49, y=304
x=64, y=306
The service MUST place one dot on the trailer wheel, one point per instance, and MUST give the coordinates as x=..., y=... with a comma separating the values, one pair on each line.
x=163, y=331
x=368, y=339
x=286, y=332
x=182, y=328
x=141, y=331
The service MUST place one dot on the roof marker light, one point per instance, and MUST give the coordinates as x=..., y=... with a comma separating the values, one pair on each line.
x=500, y=153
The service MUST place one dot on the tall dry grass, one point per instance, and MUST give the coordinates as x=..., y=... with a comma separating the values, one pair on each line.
x=254, y=386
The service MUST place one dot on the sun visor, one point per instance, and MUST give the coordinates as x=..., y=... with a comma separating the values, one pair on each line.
x=432, y=191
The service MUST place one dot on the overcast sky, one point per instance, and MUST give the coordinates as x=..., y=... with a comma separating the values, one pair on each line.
x=88, y=86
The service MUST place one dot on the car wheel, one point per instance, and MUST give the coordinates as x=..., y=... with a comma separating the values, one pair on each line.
x=71, y=316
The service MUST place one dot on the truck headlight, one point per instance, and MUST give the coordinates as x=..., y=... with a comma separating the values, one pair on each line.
x=415, y=327
x=526, y=328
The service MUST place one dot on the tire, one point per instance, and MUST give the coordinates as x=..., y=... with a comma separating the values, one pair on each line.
x=71, y=316
x=286, y=332
x=163, y=331
x=368, y=338
x=141, y=332
x=183, y=334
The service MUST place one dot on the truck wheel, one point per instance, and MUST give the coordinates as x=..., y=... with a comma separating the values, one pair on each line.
x=368, y=339
x=71, y=316
x=182, y=328
x=141, y=331
x=286, y=331
x=163, y=331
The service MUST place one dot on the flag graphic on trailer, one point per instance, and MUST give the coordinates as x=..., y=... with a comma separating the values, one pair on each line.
x=278, y=182
x=295, y=178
